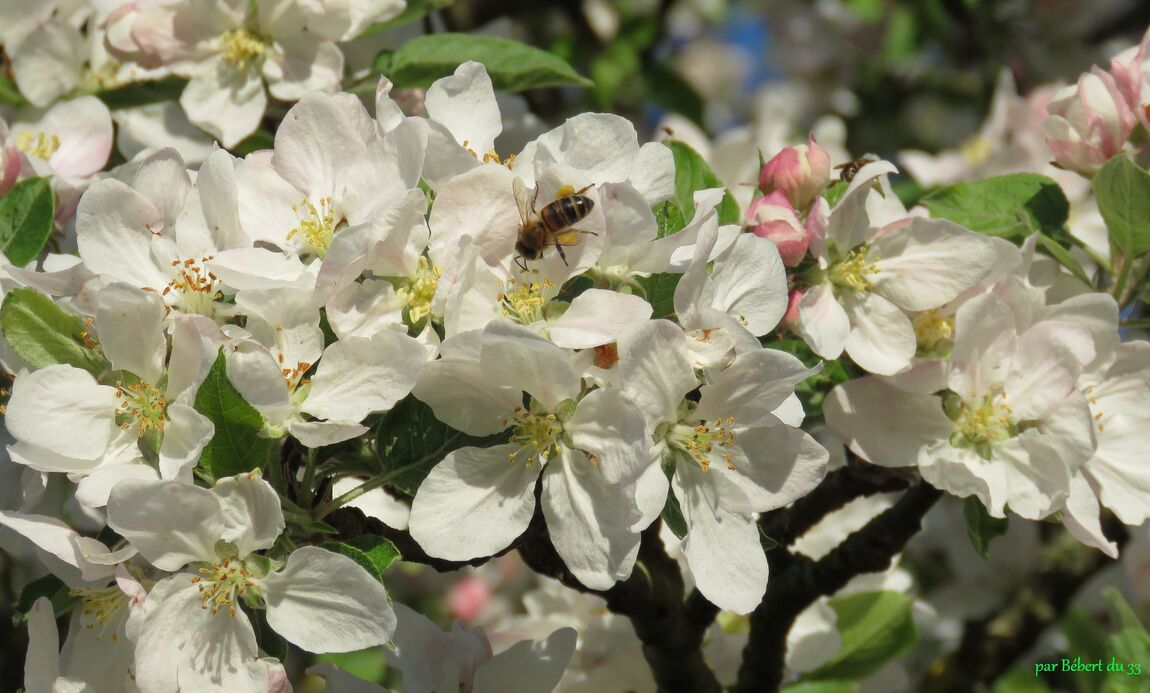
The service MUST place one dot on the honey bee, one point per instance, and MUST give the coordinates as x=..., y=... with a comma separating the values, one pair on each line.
x=848, y=170
x=550, y=225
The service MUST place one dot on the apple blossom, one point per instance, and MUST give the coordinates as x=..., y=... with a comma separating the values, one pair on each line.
x=1088, y=123
x=800, y=173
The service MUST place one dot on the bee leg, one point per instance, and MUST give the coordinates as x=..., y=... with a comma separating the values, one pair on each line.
x=584, y=189
x=520, y=261
x=562, y=254
x=535, y=198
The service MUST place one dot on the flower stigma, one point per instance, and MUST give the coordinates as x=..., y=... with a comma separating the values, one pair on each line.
x=524, y=303
x=536, y=432
x=421, y=290
x=979, y=425
x=933, y=332
x=142, y=404
x=100, y=604
x=852, y=273
x=193, y=289
x=703, y=439
x=317, y=225
x=38, y=144
x=241, y=48
x=221, y=583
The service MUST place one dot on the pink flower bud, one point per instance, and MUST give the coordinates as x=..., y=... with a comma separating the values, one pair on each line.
x=1088, y=123
x=799, y=172
x=467, y=598
x=791, y=317
x=772, y=217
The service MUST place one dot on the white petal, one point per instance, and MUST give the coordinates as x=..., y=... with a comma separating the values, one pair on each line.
x=514, y=355
x=823, y=324
x=325, y=602
x=655, y=368
x=114, y=227
x=753, y=386
x=129, y=323
x=62, y=398
x=882, y=339
x=610, y=426
x=929, y=263
x=465, y=103
x=1082, y=517
x=314, y=143
x=474, y=503
x=722, y=544
x=163, y=179
x=307, y=64
x=94, y=489
x=358, y=376
x=225, y=102
x=779, y=465
x=597, y=317
x=528, y=666
x=55, y=538
x=590, y=520
x=255, y=375
x=749, y=283
x=253, y=519
x=884, y=425
x=49, y=63
x=42, y=663
x=171, y=523
x=315, y=434
x=464, y=397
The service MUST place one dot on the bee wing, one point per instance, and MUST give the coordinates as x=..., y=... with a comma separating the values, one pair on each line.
x=567, y=237
x=522, y=198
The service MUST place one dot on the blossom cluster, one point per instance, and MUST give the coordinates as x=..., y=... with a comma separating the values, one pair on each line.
x=599, y=346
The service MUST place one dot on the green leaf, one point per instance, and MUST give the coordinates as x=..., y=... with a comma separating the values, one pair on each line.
x=48, y=586
x=1086, y=639
x=1123, y=192
x=1064, y=258
x=410, y=441
x=835, y=192
x=144, y=93
x=660, y=291
x=44, y=334
x=373, y=552
x=692, y=173
x=369, y=664
x=1021, y=679
x=513, y=66
x=673, y=516
x=980, y=526
x=876, y=627
x=267, y=638
x=1130, y=645
x=27, y=217
x=666, y=88
x=413, y=11
x=9, y=94
x=236, y=447
x=669, y=217
x=1011, y=206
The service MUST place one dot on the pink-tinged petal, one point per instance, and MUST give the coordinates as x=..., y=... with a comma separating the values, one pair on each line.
x=358, y=376
x=722, y=544
x=823, y=324
x=590, y=520
x=882, y=339
x=528, y=666
x=597, y=317
x=475, y=502
x=114, y=229
x=985, y=342
x=325, y=602
x=929, y=263
x=62, y=398
x=465, y=104
x=1082, y=516
x=1045, y=369
x=171, y=523
x=516, y=356
x=306, y=64
x=226, y=103
x=84, y=127
x=885, y=426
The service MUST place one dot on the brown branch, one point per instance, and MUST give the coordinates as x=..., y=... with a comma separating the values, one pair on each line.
x=991, y=645
x=796, y=582
x=670, y=628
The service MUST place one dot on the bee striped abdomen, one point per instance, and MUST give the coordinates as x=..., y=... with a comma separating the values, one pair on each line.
x=566, y=211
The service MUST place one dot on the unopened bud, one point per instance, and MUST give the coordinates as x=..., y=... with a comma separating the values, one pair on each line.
x=772, y=217
x=799, y=172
